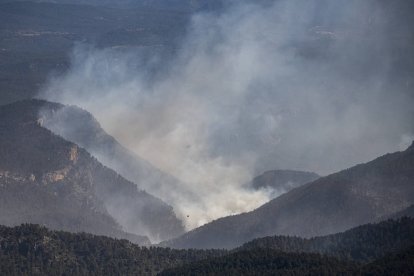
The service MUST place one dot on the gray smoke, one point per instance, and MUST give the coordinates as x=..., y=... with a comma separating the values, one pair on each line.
x=305, y=85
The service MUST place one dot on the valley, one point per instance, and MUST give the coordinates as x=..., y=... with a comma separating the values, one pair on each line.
x=206, y=137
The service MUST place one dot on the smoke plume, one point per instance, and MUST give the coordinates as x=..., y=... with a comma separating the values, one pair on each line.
x=305, y=85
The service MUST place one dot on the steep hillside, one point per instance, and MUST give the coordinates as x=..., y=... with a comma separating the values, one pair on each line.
x=282, y=181
x=331, y=204
x=35, y=250
x=80, y=127
x=48, y=180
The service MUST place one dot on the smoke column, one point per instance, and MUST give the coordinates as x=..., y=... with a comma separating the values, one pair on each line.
x=306, y=85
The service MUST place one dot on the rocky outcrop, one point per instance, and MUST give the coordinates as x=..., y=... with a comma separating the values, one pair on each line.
x=48, y=180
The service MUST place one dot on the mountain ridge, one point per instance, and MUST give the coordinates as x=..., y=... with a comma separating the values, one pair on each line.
x=80, y=127
x=282, y=181
x=363, y=243
x=333, y=203
x=75, y=185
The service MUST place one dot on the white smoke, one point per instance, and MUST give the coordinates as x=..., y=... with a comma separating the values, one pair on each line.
x=298, y=85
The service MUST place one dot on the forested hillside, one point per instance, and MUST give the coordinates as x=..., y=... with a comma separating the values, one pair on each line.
x=47, y=180
x=266, y=262
x=34, y=250
x=363, y=244
x=377, y=249
x=386, y=248
x=272, y=262
x=362, y=194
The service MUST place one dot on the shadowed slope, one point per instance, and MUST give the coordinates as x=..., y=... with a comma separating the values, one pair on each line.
x=46, y=179
x=334, y=203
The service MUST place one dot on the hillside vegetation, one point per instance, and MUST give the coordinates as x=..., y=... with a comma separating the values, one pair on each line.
x=45, y=179
x=34, y=250
x=362, y=194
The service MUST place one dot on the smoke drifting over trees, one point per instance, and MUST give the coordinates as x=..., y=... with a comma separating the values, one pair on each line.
x=306, y=85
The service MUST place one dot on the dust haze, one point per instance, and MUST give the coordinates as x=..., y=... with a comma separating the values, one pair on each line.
x=304, y=85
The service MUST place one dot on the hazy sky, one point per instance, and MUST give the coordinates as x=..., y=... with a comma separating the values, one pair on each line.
x=307, y=85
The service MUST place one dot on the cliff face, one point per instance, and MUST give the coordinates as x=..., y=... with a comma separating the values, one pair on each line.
x=48, y=180
x=80, y=127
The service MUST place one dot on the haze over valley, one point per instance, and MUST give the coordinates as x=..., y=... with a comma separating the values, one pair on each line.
x=228, y=104
x=221, y=126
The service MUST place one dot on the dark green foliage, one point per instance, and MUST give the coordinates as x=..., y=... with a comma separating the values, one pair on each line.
x=386, y=248
x=34, y=250
x=364, y=243
x=265, y=262
x=401, y=263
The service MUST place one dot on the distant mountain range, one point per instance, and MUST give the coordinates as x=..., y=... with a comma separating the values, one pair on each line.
x=331, y=204
x=177, y=5
x=47, y=180
x=36, y=39
x=172, y=5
